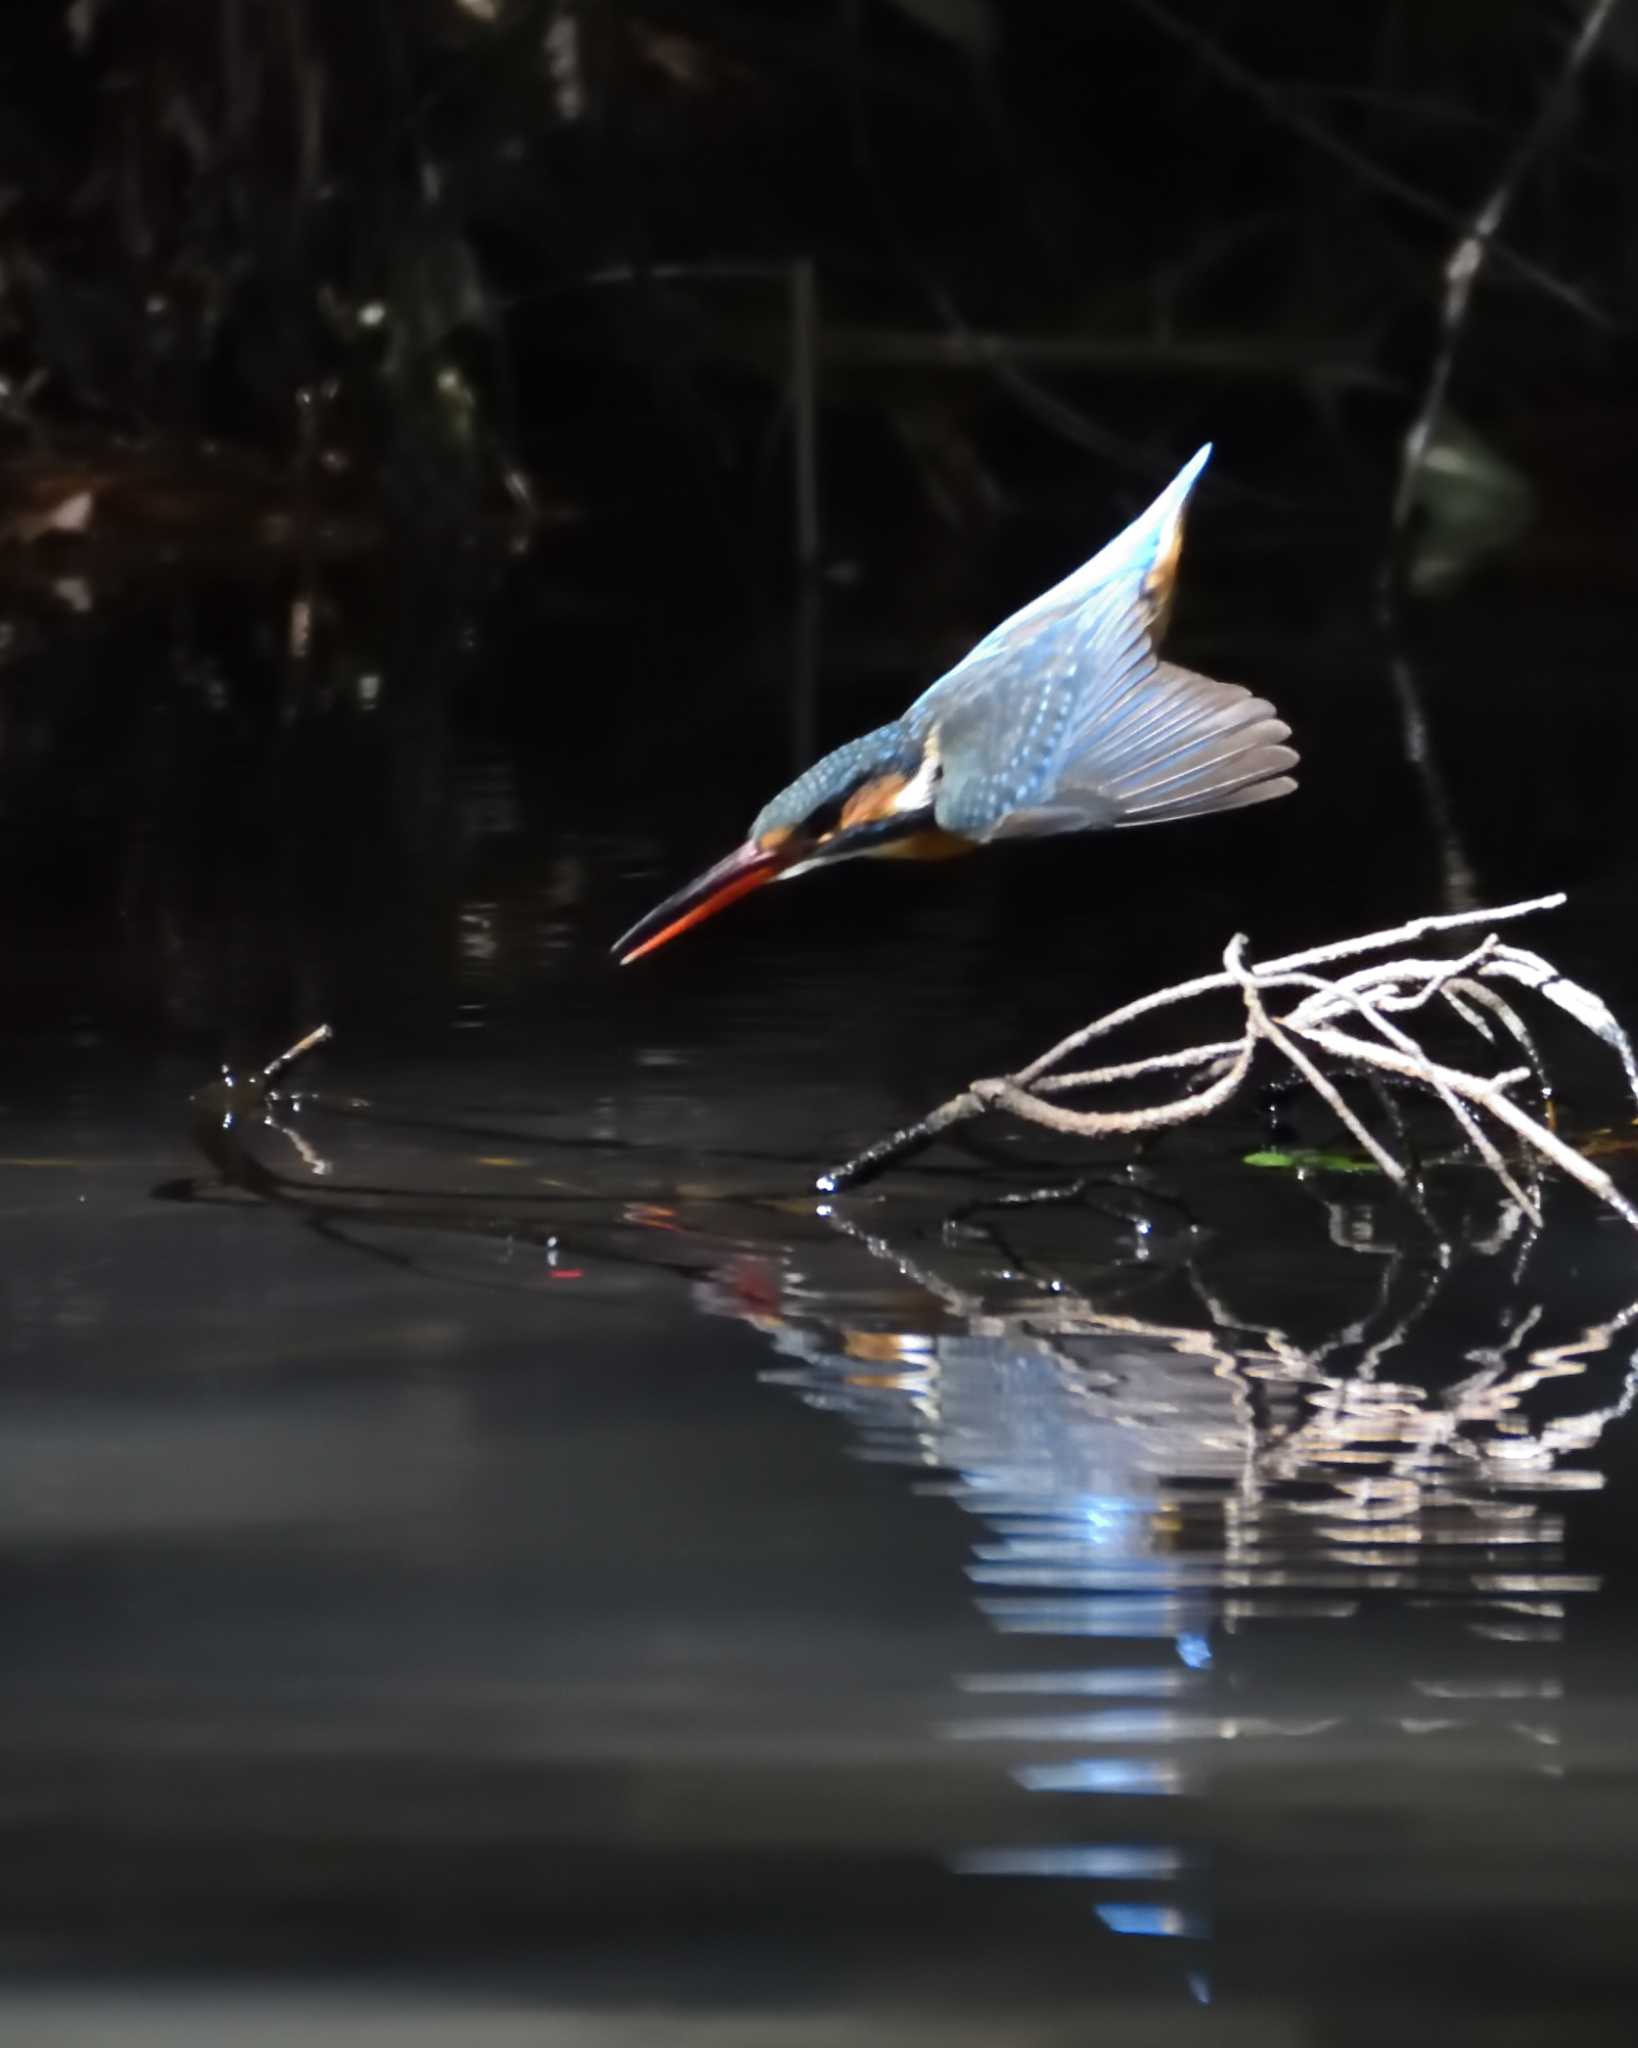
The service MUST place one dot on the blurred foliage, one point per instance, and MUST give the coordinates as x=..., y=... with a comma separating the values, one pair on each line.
x=456, y=260
x=1473, y=505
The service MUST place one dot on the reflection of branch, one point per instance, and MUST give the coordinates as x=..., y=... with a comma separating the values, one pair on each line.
x=1345, y=1018
x=1060, y=1424
x=227, y=1110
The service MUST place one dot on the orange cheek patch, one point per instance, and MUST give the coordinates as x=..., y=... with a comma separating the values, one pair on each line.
x=872, y=801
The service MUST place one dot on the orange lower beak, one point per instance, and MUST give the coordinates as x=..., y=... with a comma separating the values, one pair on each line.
x=744, y=870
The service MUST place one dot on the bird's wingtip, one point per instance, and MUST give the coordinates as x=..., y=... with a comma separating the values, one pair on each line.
x=1169, y=505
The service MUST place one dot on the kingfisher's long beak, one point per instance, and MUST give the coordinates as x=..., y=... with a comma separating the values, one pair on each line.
x=745, y=869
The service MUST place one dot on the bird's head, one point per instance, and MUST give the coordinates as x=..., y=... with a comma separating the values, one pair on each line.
x=873, y=796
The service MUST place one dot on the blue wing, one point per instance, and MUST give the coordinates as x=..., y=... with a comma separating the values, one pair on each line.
x=1065, y=720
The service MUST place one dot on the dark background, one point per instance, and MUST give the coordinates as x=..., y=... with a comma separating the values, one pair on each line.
x=457, y=459
x=406, y=437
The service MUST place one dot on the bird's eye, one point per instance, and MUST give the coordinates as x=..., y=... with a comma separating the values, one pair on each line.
x=825, y=822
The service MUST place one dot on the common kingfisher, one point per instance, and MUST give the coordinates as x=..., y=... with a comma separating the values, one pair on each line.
x=1064, y=719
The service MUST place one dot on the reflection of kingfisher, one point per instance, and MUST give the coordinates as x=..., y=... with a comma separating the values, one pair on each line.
x=1064, y=719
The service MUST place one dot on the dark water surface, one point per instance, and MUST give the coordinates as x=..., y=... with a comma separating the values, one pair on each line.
x=511, y=1563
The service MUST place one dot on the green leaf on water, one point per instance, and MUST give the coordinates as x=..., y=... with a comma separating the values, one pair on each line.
x=1311, y=1162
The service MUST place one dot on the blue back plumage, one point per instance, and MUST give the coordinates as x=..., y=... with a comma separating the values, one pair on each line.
x=1065, y=719
x=1053, y=680
x=1005, y=727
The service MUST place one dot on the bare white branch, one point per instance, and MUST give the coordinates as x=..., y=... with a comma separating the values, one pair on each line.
x=1352, y=1022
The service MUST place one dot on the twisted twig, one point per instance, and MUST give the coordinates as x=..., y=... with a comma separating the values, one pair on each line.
x=1319, y=1027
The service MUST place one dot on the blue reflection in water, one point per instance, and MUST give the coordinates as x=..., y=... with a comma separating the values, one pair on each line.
x=1171, y=1487
x=1129, y=1682
x=1115, y=1774
x=1086, y=1860
x=1129, y=1616
x=1133, y=1917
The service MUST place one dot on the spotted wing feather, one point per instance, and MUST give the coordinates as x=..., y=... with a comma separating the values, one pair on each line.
x=1003, y=737
x=1149, y=743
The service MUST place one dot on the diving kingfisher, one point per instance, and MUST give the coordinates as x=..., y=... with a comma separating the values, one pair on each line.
x=1063, y=719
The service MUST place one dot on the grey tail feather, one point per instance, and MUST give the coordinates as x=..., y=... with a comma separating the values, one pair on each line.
x=1219, y=748
x=1225, y=797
